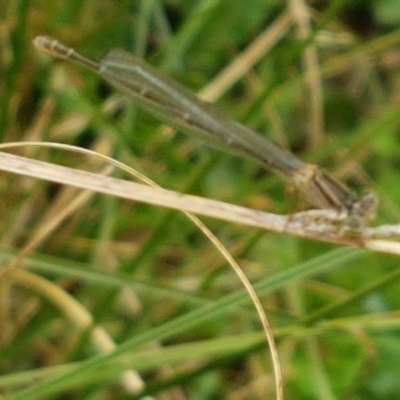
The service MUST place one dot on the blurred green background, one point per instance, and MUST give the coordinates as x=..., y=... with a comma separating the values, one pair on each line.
x=327, y=87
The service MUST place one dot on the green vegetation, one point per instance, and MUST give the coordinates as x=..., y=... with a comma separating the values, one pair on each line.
x=112, y=286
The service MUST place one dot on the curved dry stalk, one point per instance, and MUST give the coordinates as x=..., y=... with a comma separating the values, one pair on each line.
x=130, y=377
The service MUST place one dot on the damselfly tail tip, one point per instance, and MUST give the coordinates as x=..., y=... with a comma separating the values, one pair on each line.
x=57, y=49
x=45, y=43
x=53, y=47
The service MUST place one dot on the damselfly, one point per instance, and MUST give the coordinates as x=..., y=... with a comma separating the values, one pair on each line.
x=178, y=107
